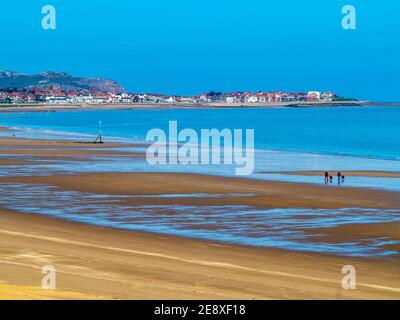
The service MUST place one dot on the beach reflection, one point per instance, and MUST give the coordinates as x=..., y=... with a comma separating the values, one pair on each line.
x=247, y=225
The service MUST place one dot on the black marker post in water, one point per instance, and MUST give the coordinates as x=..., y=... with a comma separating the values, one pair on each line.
x=99, y=138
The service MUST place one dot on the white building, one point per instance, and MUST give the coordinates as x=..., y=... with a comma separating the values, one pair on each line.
x=251, y=99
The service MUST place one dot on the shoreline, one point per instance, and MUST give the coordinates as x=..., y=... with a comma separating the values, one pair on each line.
x=77, y=144
x=118, y=140
x=79, y=140
x=177, y=106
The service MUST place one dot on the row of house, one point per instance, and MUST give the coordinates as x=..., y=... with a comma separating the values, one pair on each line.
x=59, y=97
x=51, y=96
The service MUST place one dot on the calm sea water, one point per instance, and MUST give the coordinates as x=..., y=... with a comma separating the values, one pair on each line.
x=370, y=132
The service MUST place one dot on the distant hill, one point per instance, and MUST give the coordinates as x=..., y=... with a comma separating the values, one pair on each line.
x=56, y=80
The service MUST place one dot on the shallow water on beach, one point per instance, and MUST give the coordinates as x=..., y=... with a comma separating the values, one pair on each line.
x=279, y=228
x=281, y=162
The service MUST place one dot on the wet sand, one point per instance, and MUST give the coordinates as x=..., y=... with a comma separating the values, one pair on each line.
x=267, y=194
x=353, y=232
x=31, y=151
x=17, y=142
x=104, y=263
x=5, y=162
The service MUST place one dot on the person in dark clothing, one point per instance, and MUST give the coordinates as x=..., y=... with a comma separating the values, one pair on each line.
x=330, y=179
x=343, y=178
x=339, y=177
x=326, y=177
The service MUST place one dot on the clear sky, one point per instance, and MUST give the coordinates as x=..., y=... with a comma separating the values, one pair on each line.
x=194, y=46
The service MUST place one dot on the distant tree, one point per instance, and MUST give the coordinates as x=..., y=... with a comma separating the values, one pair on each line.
x=214, y=93
x=6, y=101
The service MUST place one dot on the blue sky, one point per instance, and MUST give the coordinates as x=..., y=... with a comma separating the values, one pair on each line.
x=193, y=46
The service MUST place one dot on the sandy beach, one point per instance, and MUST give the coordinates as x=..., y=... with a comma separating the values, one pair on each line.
x=102, y=263
x=95, y=262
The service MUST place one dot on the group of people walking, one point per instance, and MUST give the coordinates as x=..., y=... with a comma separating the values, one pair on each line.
x=329, y=178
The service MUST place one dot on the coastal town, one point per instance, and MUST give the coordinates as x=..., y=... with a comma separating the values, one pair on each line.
x=56, y=96
x=61, y=88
